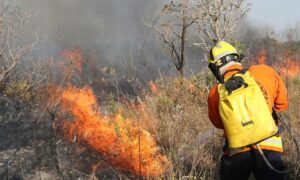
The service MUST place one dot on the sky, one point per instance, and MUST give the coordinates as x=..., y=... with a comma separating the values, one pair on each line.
x=278, y=14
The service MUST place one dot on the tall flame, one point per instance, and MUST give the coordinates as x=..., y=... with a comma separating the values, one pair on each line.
x=119, y=140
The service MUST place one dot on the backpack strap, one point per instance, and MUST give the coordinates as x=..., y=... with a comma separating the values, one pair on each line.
x=235, y=82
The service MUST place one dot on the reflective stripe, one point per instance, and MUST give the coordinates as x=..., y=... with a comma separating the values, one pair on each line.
x=219, y=56
x=275, y=140
x=273, y=143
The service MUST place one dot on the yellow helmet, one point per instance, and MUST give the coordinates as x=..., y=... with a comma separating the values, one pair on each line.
x=221, y=50
x=220, y=54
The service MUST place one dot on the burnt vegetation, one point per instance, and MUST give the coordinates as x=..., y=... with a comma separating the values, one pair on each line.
x=151, y=94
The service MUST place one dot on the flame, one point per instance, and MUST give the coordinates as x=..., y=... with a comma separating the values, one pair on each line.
x=290, y=68
x=74, y=56
x=262, y=56
x=119, y=140
x=153, y=87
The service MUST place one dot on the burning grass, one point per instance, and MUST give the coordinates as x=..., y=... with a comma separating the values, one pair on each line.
x=290, y=68
x=120, y=140
x=287, y=65
x=174, y=113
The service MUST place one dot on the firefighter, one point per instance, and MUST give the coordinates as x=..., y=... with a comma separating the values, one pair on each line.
x=224, y=62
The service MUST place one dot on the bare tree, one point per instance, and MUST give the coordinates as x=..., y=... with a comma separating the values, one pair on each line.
x=218, y=19
x=12, y=23
x=211, y=19
x=173, y=25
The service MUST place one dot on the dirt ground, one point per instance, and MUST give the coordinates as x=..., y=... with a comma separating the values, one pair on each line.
x=31, y=150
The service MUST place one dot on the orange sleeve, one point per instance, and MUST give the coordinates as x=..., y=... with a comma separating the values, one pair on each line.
x=272, y=86
x=281, y=98
x=213, y=108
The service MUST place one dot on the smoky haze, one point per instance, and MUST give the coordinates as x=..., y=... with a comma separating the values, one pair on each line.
x=113, y=29
x=91, y=21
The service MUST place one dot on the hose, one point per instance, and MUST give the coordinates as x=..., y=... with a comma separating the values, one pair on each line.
x=287, y=170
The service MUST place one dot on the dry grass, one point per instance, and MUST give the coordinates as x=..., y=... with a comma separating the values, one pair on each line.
x=291, y=117
x=177, y=115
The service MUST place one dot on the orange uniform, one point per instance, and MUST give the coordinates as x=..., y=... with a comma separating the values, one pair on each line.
x=272, y=87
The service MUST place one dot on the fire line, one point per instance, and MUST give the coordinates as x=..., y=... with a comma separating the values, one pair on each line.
x=117, y=138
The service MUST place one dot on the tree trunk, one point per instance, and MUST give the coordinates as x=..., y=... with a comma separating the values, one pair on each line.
x=183, y=38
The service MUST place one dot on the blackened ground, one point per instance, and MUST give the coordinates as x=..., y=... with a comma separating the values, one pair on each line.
x=31, y=150
x=24, y=149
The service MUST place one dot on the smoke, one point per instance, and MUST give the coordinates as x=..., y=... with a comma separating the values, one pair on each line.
x=114, y=29
x=91, y=22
